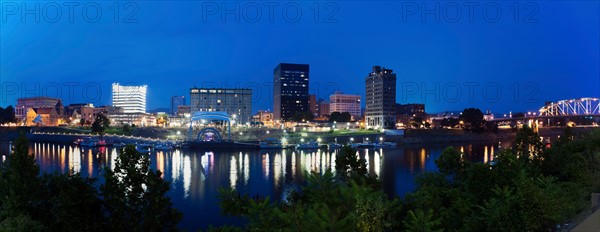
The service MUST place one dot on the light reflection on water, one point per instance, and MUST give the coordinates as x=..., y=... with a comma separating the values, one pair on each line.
x=196, y=176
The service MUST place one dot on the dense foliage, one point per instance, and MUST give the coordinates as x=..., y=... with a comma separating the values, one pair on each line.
x=100, y=124
x=7, y=115
x=132, y=199
x=302, y=117
x=340, y=117
x=526, y=188
x=472, y=119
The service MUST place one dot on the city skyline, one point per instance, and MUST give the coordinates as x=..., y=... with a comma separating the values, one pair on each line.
x=499, y=66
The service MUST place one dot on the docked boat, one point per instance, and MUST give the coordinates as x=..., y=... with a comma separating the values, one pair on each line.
x=144, y=145
x=308, y=145
x=90, y=142
x=164, y=147
x=143, y=150
x=334, y=145
x=121, y=144
x=218, y=145
x=389, y=144
x=271, y=143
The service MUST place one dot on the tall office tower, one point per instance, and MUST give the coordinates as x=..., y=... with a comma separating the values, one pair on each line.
x=175, y=102
x=236, y=102
x=380, y=98
x=131, y=98
x=290, y=90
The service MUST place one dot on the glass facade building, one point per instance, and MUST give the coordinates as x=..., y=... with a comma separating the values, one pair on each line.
x=236, y=102
x=175, y=102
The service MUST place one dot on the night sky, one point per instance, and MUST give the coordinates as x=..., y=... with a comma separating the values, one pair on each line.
x=515, y=60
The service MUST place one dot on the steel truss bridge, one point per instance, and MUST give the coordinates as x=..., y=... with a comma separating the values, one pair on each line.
x=572, y=107
x=560, y=112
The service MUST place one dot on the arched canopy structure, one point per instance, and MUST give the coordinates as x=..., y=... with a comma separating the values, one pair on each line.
x=215, y=115
x=212, y=116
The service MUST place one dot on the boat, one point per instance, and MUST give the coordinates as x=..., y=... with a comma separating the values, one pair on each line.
x=334, y=145
x=218, y=145
x=143, y=150
x=121, y=144
x=390, y=144
x=144, y=145
x=164, y=147
x=308, y=145
x=366, y=145
x=271, y=143
x=362, y=145
x=90, y=142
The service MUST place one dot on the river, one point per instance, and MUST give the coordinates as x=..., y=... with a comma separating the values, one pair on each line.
x=196, y=176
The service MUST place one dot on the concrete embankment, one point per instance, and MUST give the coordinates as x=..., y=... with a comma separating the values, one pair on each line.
x=429, y=136
x=452, y=136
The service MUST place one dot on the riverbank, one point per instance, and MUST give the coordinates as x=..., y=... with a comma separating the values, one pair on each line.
x=423, y=136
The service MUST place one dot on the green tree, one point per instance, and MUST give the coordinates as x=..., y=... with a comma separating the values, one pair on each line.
x=135, y=197
x=528, y=145
x=71, y=203
x=348, y=166
x=127, y=129
x=100, y=124
x=345, y=117
x=326, y=203
x=419, y=221
x=340, y=117
x=303, y=117
x=451, y=163
x=19, y=183
x=334, y=117
x=472, y=119
x=7, y=115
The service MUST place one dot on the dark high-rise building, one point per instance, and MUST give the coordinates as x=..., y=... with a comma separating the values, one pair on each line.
x=175, y=102
x=380, y=98
x=290, y=90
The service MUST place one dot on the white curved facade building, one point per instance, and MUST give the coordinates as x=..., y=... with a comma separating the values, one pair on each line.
x=131, y=98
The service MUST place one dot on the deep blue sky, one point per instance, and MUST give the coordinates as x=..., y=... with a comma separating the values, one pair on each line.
x=553, y=54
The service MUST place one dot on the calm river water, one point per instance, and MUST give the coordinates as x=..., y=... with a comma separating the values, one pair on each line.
x=196, y=176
